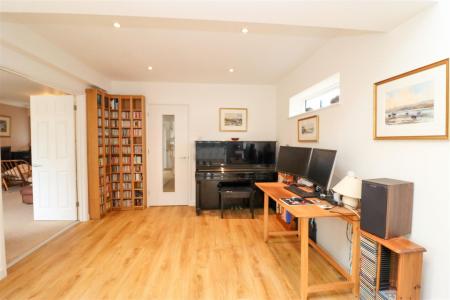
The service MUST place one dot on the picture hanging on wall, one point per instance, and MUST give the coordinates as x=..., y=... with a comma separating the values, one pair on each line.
x=233, y=119
x=5, y=126
x=308, y=129
x=413, y=105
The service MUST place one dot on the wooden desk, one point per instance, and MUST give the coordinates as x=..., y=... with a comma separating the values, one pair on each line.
x=276, y=191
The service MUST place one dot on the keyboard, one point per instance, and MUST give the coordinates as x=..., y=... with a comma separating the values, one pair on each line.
x=299, y=192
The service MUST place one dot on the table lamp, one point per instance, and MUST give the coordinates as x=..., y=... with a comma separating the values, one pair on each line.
x=350, y=188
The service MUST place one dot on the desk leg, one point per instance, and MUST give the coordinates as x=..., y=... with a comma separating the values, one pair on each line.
x=356, y=257
x=304, y=241
x=266, y=217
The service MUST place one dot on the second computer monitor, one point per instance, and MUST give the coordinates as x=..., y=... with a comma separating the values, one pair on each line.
x=321, y=167
x=293, y=160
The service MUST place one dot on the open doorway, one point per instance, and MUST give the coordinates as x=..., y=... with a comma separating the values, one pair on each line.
x=24, y=230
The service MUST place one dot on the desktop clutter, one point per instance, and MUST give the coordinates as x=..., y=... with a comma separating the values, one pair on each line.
x=383, y=205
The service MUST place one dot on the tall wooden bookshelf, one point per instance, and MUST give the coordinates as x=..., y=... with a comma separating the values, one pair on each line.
x=116, y=152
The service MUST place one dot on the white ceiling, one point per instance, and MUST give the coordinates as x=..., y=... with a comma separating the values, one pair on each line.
x=182, y=45
x=16, y=90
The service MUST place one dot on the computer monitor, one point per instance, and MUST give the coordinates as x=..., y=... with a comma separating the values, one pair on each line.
x=321, y=167
x=293, y=160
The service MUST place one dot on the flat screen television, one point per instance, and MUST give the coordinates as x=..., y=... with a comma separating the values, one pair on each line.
x=293, y=160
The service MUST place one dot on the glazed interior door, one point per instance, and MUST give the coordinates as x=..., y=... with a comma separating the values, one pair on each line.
x=169, y=155
x=53, y=157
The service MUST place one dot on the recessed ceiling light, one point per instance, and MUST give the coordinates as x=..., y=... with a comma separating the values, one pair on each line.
x=116, y=24
x=150, y=68
x=244, y=30
x=231, y=70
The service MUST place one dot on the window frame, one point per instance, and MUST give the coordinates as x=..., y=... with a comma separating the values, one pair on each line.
x=300, y=99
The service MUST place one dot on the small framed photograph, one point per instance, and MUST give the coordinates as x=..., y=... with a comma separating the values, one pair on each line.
x=5, y=126
x=308, y=129
x=233, y=119
x=413, y=105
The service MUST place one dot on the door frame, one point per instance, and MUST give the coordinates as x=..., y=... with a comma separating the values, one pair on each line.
x=148, y=106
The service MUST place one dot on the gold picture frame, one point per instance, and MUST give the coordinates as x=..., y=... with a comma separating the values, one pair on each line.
x=413, y=107
x=308, y=129
x=5, y=126
x=233, y=119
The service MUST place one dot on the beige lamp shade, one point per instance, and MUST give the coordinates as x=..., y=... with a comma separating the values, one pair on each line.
x=350, y=188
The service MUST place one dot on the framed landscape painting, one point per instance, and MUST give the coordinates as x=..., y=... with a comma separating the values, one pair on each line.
x=413, y=105
x=308, y=129
x=5, y=126
x=233, y=119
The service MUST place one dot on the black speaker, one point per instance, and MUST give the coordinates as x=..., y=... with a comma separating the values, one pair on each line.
x=386, y=207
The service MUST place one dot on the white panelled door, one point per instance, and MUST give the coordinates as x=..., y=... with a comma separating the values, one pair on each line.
x=53, y=157
x=168, y=164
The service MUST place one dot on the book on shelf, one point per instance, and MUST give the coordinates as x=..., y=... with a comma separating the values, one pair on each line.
x=114, y=104
x=125, y=132
x=126, y=150
x=115, y=132
x=137, y=132
x=137, y=159
x=126, y=123
x=137, y=177
x=137, y=149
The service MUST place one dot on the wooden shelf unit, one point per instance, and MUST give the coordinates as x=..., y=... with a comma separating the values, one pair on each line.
x=116, y=152
x=405, y=266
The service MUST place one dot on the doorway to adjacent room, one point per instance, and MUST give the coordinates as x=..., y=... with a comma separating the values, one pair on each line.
x=37, y=138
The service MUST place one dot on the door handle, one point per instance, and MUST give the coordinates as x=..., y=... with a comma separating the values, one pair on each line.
x=183, y=157
x=36, y=165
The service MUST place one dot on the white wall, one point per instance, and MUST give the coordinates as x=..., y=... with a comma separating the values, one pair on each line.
x=204, y=101
x=347, y=127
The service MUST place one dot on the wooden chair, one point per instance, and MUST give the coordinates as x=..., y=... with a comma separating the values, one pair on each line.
x=5, y=186
x=15, y=172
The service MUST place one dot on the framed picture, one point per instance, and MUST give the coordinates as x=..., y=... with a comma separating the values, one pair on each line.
x=413, y=105
x=233, y=119
x=5, y=126
x=308, y=129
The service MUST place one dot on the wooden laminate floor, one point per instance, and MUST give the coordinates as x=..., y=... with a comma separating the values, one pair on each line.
x=166, y=253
